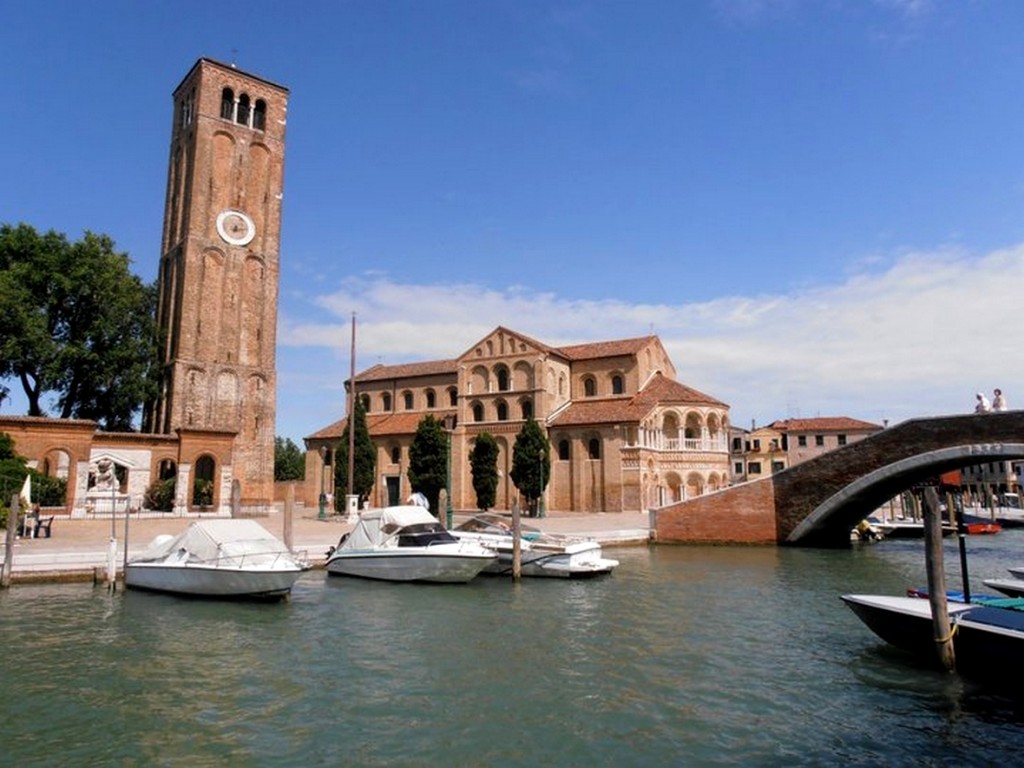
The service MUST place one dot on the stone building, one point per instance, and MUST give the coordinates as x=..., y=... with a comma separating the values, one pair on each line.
x=785, y=443
x=625, y=434
x=212, y=425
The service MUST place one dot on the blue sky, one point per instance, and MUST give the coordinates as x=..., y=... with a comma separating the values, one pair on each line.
x=817, y=204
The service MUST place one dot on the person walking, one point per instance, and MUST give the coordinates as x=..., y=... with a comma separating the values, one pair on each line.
x=998, y=401
x=983, y=405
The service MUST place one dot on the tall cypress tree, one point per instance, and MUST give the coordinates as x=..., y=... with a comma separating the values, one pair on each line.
x=428, y=461
x=484, y=465
x=531, y=463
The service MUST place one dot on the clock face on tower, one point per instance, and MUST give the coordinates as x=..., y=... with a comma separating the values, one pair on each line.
x=235, y=228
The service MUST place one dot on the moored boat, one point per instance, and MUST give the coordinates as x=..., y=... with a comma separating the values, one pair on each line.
x=905, y=622
x=541, y=554
x=217, y=558
x=406, y=543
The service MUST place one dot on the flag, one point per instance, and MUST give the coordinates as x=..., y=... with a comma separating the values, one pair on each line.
x=26, y=492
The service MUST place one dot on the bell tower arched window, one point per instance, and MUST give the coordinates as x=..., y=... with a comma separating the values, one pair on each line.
x=227, y=104
x=242, y=116
x=259, y=115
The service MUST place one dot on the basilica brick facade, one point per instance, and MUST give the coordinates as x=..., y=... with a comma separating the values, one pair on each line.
x=625, y=434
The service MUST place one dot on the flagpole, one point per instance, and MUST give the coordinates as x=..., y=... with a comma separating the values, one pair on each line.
x=351, y=423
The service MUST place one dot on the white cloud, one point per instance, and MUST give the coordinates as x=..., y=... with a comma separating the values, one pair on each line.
x=915, y=337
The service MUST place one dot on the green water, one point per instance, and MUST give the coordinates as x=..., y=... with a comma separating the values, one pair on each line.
x=684, y=656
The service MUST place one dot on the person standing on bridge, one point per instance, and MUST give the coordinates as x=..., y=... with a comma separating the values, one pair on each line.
x=998, y=401
x=983, y=404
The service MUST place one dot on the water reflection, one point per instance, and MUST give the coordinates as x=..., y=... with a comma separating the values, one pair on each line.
x=701, y=655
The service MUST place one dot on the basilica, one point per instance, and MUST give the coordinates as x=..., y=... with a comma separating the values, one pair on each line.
x=625, y=434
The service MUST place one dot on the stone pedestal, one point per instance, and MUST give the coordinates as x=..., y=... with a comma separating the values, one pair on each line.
x=105, y=503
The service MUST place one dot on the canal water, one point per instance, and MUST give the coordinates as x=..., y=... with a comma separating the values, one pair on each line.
x=684, y=656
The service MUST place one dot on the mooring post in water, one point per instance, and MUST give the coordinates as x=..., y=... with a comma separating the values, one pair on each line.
x=517, y=547
x=937, y=579
x=289, y=506
x=12, y=525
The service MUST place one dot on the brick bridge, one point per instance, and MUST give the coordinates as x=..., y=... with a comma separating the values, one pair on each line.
x=818, y=502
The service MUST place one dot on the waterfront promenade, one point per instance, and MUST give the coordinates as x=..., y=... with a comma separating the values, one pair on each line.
x=78, y=549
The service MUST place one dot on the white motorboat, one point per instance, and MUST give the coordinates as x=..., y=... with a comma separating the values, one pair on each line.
x=540, y=554
x=217, y=558
x=406, y=543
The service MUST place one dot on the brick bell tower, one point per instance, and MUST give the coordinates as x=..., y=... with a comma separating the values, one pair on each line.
x=218, y=281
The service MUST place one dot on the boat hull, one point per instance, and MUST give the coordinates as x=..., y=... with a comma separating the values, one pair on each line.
x=211, y=581
x=396, y=565
x=1009, y=587
x=554, y=564
x=905, y=622
x=990, y=645
x=542, y=558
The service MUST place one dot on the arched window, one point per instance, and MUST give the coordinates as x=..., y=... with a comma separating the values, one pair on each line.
x=259, y=115
x=242, y=117
x=478, y=412
x=617, y=387
x=527, y=408
x=366, y=402
x=385, y=401
x=502, y=379
x=227, y=104
x=431, y=399
x=167, y=469
x=407, y=400
x=563, y=450
x=453, y=397
x=202, y=484
x=589, y=387
x=396, y=454
x=502, y=411
x=594, y=448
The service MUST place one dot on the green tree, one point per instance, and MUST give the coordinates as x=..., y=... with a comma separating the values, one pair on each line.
x=428, y=461
x=483, y=462
x=289, y=460
x=13, y=469
x=364, y=466
x=75, y=323
x=531, y=463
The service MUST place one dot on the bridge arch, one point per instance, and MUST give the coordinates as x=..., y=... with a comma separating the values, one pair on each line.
x=817, y=502
x=851, y=504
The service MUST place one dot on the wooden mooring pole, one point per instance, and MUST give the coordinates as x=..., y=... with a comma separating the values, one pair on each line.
x=937, y=579
x=12, y=525
x=517, y=547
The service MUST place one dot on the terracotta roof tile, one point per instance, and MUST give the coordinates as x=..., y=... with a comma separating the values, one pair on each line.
x=598, y=349
x=382, y=424
x=659, y=390
x=381, y=372
x=601, y=411
x=662, y=389
x=824, y=424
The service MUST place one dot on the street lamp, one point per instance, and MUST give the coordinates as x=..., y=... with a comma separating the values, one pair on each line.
x=449, y=425
x=323, y=473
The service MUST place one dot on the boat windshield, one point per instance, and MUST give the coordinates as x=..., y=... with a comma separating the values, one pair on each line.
x=423, y=535
x=494, y=524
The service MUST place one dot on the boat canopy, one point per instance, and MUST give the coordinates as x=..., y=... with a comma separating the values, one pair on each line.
x=225, y=542
x=377, y=526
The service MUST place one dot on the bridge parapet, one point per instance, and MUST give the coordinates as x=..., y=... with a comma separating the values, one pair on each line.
x=817, y=502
